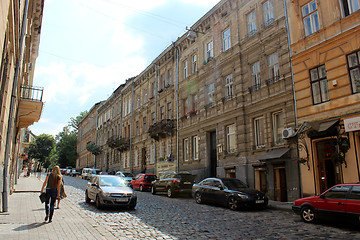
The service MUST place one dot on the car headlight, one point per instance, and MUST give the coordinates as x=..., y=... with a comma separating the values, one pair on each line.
x=243, y=196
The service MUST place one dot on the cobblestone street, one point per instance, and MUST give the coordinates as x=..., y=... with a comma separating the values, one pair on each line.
x=159, y=217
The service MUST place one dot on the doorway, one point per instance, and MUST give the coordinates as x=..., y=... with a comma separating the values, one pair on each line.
x=280, y=184
x=213, y=155
x=327, y=176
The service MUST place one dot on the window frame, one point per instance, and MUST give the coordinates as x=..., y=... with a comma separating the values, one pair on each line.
x=226, y=39
x=195, y=147
x=211, y=94
x=313, y=16
x=229, y=87
x=186, y=149
x=186, y=72
x=230, y=136
x=274, y=70
x=251, y=23
x=353, y=68
x=268, y=11
x=209, y=50
x=194, y=63
x=259, y=132
x=349, y=7
x=278, y=127
x=321, y=82
x=256, y=75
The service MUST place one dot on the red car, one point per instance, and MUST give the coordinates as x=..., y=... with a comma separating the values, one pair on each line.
x=142, y=181
x=341, y=201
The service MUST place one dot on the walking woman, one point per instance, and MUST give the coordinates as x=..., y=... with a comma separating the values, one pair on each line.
x=52, y=183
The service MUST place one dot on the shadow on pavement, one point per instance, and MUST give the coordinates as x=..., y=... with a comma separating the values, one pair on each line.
x=29, y=226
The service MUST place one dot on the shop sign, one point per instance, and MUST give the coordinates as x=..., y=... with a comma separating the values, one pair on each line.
x=352, y=124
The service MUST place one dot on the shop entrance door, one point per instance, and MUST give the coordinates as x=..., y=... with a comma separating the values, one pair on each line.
x=280, y=184
x=327, y=176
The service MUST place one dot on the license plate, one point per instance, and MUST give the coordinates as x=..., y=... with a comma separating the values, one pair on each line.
x=187, y=182
x=259, y=201
x=122, y=200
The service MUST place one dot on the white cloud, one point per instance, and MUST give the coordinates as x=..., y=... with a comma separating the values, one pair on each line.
x=201, y=2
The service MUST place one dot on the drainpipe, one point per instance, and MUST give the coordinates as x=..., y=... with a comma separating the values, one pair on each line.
x=293, y=86
x=120, y=132
x=177, y=110
x=11, y=120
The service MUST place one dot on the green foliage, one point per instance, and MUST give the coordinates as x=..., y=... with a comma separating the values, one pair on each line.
x=66, y=148
x=40, y=148
x=74, y=122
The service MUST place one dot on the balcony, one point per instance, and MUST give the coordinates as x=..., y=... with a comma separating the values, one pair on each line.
x=30, y=106
x=119, y=143
x=93, y=148
x=162, y=129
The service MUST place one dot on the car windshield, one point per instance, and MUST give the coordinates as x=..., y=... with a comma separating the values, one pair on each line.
x=112, y=182
x=233, y=183
x=185, y=177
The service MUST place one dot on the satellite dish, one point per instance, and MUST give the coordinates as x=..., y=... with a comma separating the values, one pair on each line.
x=191, y=35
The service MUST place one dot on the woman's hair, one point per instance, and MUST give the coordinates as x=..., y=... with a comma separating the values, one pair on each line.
x=56, y=170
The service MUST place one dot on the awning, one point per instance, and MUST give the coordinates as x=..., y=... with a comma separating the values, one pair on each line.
x=316, y=126
x=273, y=154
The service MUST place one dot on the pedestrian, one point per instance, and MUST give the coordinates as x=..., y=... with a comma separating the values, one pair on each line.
x=62, y=193
x=52, y=184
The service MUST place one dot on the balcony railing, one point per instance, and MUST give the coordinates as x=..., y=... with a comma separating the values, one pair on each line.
x=31, y=93
x=165, y=127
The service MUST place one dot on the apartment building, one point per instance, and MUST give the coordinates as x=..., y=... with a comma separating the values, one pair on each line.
x=325, y=54
x=21, y=102
x=214, y=103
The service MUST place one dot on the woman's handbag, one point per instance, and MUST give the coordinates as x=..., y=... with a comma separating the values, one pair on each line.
x=43, y=197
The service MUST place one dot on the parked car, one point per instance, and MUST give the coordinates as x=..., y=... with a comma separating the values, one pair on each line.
x=110, y=190
x=127, y=176
x=74, y=173
x=340, y=202
x=229, y=192
x=142, y=181
x=63, y=171
x=86, y=173
x=173, y=183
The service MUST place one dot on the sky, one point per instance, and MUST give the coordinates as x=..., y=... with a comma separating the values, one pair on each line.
x=90, y=47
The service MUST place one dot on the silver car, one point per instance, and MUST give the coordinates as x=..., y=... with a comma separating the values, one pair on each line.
x=109, y=190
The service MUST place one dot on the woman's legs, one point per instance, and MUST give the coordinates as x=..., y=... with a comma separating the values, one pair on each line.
x=51, y=198
x=58, y=202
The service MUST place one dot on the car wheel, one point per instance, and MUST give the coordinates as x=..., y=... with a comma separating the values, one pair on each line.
x=153, y=190
x=97, y=201
x=87, y=199
x=132, y=207
x=233, y=203
x=198, y=198
x=141, y=188
x=308, y=214
x=170, y=192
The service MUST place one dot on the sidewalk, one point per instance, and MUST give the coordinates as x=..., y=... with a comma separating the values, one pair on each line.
x=25, y=217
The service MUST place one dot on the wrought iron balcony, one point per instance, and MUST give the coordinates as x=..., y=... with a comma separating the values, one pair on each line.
x=30, y=106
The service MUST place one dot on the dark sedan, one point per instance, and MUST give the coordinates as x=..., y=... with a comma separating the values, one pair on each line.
x=109, y=190
x=228, y=192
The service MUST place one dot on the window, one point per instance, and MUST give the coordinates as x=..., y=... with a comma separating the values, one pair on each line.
x=169, y=110
x=355, y=193
x=259, y=132
x=255, y=72
x=136, y=157
x=319, y=85
x=168, y=147
x=338, y=192
x=152, y=154
x=169, y=77
x=354, y=70
x=274, y=67
x=145, y=98
x=162, y=112
x=251, y=21
x=162, y=82
x=230, y=138
x=161, y=149
x=349, y=6
x=137, y=128
x=211, y=90
x=137, y=101
x=195, y=147
x=209, y=54
x=268, y=8
x=194, y=64
x=186, y=73
x=125, y=108
x=186, y=149
x=229, y=92
x=226, y=39
x=153, y=89
x=144, y=125
x=278, y=125
x=310, y=18
x=153, y=119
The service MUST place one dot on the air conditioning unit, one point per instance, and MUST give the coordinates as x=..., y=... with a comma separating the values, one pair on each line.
x=288, y=132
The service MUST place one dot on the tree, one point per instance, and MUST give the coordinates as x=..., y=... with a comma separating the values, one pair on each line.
x=74, y=122
x=40, y=148
x=66, y=148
